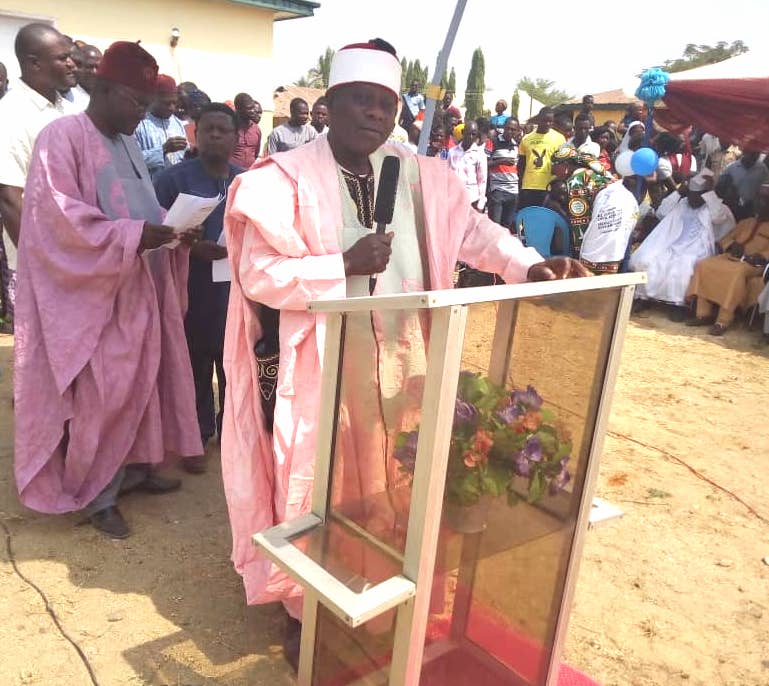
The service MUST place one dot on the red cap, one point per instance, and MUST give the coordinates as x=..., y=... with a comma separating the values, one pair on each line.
x=129, y=64
x=165, y=85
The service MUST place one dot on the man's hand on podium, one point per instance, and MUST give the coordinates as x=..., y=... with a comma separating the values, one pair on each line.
x=557, y=268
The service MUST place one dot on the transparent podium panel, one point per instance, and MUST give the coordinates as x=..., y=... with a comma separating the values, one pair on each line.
x=527, y=404
x=359, y=656
x=457, y=449
x=380, y=395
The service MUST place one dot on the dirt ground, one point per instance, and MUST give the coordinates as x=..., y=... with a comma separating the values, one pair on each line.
x=674, y=592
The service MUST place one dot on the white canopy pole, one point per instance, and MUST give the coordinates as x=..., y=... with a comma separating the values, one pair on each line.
x=434, y=90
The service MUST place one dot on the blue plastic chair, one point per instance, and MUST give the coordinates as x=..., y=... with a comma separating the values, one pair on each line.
x=536, y=226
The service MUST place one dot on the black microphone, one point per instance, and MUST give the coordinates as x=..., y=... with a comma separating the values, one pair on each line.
x=385, y=200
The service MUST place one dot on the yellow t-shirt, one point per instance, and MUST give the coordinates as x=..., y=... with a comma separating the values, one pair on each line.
x=537, y=148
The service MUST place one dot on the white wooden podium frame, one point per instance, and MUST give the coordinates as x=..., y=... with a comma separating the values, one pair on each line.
x=409, y=591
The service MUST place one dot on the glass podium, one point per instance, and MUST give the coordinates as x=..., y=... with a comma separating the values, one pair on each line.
x=458, y=448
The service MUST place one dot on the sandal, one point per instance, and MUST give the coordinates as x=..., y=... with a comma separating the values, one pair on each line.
x=701, y=321
x=717, y=330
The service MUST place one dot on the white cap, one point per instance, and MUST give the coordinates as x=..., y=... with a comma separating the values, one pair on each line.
x=664, y=169
x=699, y=183
x=365, y=63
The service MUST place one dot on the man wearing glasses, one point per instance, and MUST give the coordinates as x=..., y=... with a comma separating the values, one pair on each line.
x=103, y=389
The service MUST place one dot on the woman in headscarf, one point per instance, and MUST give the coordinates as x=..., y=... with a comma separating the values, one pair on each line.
x=584, y=176
x=633, y=138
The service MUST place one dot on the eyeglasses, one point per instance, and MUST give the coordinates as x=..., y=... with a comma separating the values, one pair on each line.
x=139, y=102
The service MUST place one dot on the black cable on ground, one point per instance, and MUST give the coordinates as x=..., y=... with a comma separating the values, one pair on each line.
x=48, y=608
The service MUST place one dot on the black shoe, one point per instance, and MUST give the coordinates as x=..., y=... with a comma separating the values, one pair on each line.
x=194, y=464
x=111, y=522
x=640, y=306
x=677, y=314
x=157, y=485
x=291, y=642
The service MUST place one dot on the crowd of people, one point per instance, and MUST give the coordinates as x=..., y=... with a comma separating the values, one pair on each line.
x=120, y=320
x=696, y=224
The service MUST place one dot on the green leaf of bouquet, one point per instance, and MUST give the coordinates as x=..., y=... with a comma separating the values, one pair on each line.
x=536, y=487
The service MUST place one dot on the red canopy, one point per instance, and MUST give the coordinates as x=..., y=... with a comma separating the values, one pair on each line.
x=735, y=110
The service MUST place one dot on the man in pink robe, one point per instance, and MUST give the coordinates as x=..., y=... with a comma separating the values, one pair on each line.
x=283, y=224
x=103, y=383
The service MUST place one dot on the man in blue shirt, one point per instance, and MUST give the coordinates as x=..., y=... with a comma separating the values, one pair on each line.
x=160, y=134
x=499, y=120
x=413, y=104
x=207, y=175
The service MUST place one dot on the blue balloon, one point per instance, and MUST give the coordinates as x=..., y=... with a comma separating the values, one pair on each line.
x=644, y=161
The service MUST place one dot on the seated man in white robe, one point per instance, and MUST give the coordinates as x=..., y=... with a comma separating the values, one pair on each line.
x=763, y=305
x=684, y=236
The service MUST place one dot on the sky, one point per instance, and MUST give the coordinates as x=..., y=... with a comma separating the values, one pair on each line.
x=582, y=50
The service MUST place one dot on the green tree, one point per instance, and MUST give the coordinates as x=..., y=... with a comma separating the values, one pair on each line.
x=449, y=83
x=409, y=75
x=543, y=90
x=476, y=86
x=404, y=73
x=515, y=103
x=452, y=83
x=318, y=76
x=700, y=55
x=302, y=81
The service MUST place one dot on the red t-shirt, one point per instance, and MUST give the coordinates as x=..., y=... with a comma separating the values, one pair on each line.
x=247, y=146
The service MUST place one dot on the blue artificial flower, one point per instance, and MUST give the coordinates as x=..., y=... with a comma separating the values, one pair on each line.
x=509, y=413
x=533, y=449
x=561, y=479
x=529, y=398
x=521, y=464
x=464, y=412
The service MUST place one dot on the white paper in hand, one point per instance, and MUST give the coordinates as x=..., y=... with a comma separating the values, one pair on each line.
x=220, y=269
x=189, y=211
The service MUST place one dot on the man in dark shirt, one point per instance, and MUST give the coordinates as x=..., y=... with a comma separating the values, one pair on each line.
x=207, y=175
x=249, y=136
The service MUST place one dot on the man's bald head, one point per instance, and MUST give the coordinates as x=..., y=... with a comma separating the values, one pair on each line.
x=33, y=38
x=87, y=59
x=45, y=58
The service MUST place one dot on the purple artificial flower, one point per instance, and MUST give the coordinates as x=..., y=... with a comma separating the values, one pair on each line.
x=533, y=449
x=521, y=464
x=407, y=453
x=561, y=479
x=509, y=413
x=529, y=398
x=464, y=412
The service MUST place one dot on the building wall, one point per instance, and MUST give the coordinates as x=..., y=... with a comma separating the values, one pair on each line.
x=225, y=47
x=603, y=113
x=610, y=114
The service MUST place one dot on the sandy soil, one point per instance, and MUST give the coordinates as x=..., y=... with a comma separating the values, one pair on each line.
x=675, y=592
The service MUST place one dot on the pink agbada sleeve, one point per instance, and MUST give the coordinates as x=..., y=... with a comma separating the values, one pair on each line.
x=457, y=232
x=77, y=258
